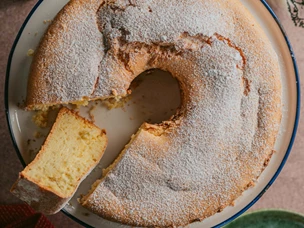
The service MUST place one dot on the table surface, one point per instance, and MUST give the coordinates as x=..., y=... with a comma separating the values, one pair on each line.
x=286, y=192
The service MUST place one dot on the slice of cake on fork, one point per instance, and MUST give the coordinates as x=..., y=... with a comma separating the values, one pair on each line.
x=72, y=149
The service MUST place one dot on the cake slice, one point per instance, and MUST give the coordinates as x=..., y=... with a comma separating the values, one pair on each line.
x=72, y=149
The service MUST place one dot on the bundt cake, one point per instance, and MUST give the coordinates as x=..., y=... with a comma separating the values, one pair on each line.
x=217, y=144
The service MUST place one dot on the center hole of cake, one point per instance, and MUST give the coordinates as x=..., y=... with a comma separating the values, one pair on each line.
x=156, y=95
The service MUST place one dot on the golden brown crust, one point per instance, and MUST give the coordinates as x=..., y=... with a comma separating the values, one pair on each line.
x=37, y=197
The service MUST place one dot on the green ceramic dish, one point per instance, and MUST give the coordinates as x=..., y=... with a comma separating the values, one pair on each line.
x=271, y=218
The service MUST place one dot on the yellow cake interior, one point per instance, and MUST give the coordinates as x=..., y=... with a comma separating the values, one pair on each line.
x=73, y=147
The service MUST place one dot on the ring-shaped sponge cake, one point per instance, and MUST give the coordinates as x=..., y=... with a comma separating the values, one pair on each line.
x=219, y=141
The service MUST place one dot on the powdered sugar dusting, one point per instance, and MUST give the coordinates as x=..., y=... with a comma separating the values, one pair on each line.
x=70, y=53
x=149, y=21
x=218, y=142
x=218, y=146
x=196, y=168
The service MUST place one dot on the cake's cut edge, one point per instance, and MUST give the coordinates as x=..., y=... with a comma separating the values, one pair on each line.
x=37, y=197
x=34, y=187
x=106, y=171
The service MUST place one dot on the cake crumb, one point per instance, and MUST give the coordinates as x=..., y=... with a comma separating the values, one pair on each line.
x=38, y=134
x=91, y=115
x=47, y=21
x=41, y=118
x=30, y=52
x=75, y=107
x=116, y=102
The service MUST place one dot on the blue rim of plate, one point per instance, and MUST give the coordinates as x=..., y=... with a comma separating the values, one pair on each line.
x=246, y=207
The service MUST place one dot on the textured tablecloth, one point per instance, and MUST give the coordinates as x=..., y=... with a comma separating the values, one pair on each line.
x=288, y=190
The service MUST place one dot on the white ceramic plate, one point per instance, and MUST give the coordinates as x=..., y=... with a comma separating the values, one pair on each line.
x=121, y=123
